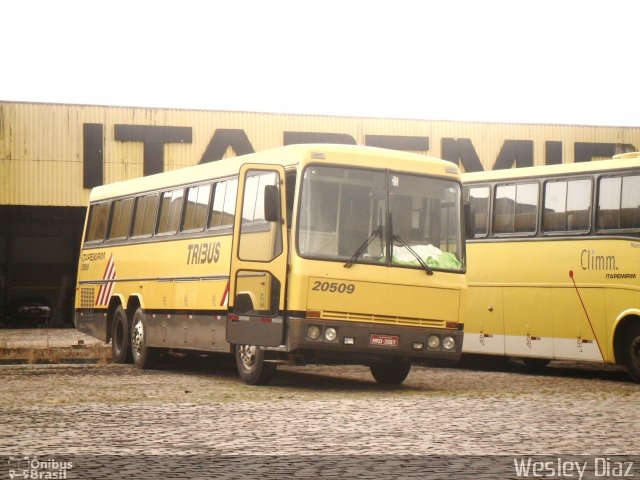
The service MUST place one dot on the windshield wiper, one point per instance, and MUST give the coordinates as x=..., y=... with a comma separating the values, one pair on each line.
x=361, y=249
x=427, y=268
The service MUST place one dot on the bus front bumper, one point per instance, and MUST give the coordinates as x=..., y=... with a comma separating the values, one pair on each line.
x=336, y=338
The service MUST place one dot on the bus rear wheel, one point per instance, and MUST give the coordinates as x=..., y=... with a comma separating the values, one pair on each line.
x=631, y=352
x=252, y=368
x=390, y=373
x=143, y=356
x=120, y=342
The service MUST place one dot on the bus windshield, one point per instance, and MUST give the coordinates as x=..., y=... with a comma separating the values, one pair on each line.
x=378, y=217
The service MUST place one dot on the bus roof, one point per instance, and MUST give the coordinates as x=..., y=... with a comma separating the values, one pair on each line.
x=619, y=162
x=286, y=156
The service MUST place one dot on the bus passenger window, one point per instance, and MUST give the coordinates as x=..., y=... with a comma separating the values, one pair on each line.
x=170, y=211
x=479, y=202
x=121, y=219
x=579, y=205
x=516, y=208
x=229, y=208
x=619, y=203
x=217, y=204
x=98, y=216
x=567, y=206
x=145, y=216
x=630, y=207
x=609, y=203
x=223, y=205
x=196, y=209
x=503, y=211
x=526, y=208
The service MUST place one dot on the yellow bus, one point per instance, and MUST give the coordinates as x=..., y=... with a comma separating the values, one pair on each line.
x=300, y=254
x=554, y=263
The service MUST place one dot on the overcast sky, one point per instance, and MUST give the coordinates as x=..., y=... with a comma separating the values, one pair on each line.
x=538, y=61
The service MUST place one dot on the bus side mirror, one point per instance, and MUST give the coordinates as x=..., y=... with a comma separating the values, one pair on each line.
x=271, y=203
x=469, y=221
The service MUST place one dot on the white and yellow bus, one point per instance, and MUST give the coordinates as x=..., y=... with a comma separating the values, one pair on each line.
x=306, y=253
x=554, y=263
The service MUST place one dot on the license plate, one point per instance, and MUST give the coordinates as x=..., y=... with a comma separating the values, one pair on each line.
x=383, y=340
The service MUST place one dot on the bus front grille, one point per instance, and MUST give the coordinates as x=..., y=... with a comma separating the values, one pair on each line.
x=382, y=319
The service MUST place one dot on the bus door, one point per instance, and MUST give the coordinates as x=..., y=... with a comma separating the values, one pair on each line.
x=259, y=258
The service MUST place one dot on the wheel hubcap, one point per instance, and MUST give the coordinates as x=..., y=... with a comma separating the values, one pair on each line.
x=248, y=355
x=137, y=337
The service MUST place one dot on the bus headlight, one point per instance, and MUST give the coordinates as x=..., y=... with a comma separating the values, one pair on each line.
x=448, y=343
x=313, y=332
x=330, y=334
x=433, y=342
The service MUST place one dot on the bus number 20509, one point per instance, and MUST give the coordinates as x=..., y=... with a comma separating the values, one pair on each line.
x=333, y=287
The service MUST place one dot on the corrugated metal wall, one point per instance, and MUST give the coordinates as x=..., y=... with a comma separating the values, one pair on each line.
x=41, y=145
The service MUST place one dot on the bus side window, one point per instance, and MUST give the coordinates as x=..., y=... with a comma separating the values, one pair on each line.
x=229, y=208
x=555, y=200
x=196, y=208
x=579, y=205
x=479, y=205
x=98, y=216
x=223, y=204
x=526, y=212
x=170, y=211
x=609, y=203
x=504, y=207
x=567, y=206
x=619, y=203
x=120, y=219
x=145, y=215
x=217, y=204
x=630, y=207
x=516, y=208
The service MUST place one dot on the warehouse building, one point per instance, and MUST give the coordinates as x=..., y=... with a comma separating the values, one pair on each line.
x=52, y=155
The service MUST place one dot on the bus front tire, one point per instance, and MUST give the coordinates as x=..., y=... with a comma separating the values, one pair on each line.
x=143, y=356
x=120, y=341
x=390, y=373
x=252, y=368
x=631, y=352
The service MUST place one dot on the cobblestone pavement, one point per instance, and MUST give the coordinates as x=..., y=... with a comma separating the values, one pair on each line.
x=168, y=421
